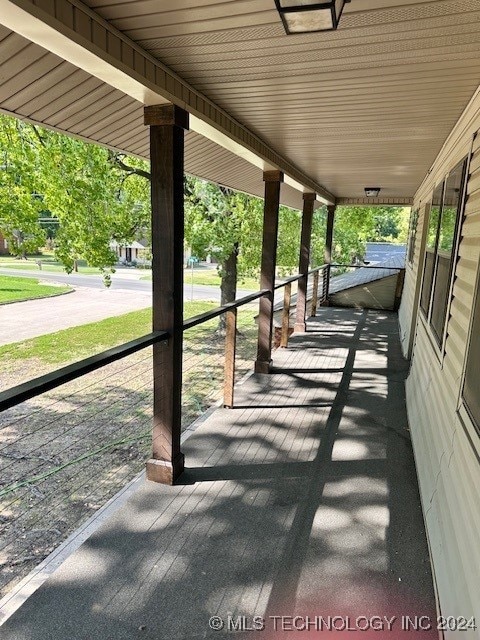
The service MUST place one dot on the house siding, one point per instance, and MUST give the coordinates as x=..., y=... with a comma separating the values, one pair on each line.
x=446, y=445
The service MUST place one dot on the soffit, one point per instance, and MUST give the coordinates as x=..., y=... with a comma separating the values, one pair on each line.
x=38, y=86
x=369, y=104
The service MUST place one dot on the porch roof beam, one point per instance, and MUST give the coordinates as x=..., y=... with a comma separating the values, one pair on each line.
x=392, y=201
x=74, y=32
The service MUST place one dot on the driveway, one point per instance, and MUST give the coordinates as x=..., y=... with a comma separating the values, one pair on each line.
x=23, y=320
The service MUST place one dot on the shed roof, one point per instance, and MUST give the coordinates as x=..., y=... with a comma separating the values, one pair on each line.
x=364, y=275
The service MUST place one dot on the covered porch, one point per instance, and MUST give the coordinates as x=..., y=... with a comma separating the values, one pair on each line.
x=301, y=503
x=302, y=498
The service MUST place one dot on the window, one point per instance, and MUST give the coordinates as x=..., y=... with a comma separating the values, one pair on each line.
x=471, y=385
x=442, y=231
x=412, y=235
x=431, y=248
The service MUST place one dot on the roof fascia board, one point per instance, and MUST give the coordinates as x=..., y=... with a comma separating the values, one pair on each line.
x=71, y=30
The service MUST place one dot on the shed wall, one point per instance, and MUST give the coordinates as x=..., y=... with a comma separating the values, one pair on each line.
x=379, y=294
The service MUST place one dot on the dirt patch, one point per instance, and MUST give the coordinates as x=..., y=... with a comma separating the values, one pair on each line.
x=64, y=454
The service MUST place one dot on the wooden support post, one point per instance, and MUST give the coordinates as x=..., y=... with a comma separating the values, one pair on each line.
x=167, y=124
x=304, y=261
x=287, y=296
x=329, y=245
x=325, y=272
x=230, y=351
x=273, y=180
x=313, y=311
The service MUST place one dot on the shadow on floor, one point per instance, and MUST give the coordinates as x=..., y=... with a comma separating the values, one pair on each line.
x=301, y=502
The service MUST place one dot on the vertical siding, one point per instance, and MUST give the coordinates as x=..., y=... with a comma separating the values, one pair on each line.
x=446, y=446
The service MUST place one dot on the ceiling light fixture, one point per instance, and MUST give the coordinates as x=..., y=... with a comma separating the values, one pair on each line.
x=308, y=16
x=372, y=192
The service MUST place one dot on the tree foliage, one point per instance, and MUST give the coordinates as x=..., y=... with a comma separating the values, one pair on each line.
x=94, y=199
x=97, y=196
x=357, y=225
x=219, y=221
x=20, y=202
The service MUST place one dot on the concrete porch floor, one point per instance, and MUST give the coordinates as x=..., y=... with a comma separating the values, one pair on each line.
x=301, y=501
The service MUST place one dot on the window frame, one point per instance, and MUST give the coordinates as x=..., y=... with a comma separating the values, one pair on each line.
x=412, y=236
x=463, y=404
x=440, y=341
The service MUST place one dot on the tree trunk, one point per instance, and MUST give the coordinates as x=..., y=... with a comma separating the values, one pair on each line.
x=228, y=285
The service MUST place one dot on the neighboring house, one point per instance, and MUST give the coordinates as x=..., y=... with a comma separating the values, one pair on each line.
x=131, y=252
x=3, y=246
x=440, y=331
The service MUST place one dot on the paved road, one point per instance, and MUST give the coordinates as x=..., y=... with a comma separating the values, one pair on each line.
x=121, y=281
x=90, y=302
x=32, y=318
x=382, y=251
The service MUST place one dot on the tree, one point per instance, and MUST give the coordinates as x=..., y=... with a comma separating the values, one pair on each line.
x=219, y=222
x=92, y=197
x=95, y=201
x=404, y=225
x=357, y=225
x=353, y=227
x=20, y=204
x=228, y=225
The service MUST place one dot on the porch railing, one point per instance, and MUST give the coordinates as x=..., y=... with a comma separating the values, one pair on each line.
x=67, y=446
x=28, y=390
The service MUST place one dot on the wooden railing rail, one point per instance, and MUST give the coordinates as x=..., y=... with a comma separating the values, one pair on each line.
x=28, y=390
x=15, y=395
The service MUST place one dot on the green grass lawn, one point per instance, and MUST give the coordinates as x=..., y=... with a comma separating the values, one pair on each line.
x=49, y=264
x=46, y=257
x=211, y=277
x=75, y=343
x=17, y=289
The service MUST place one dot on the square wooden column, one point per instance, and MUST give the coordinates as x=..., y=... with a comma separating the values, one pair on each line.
x=167, y=125
x=329, y=243
x=304, y=261
x=273, y=180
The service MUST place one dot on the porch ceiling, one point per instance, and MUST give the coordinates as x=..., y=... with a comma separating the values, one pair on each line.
x=369, y=104
x=41, y=87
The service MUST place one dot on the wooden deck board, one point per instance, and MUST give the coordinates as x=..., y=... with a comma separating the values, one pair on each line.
x=302, y=501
